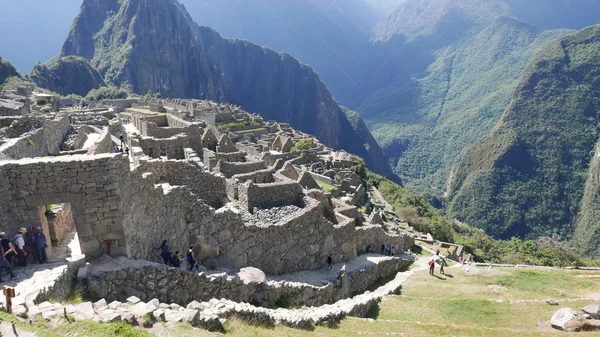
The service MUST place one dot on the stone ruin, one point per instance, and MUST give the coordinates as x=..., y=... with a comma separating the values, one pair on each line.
x=261, y=205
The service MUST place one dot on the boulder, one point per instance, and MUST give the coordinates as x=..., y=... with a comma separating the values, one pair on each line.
x=252, y=275
x=566, y=319
x=593, y=310
x=205, y=247
x=84, y=311
x=552, y=302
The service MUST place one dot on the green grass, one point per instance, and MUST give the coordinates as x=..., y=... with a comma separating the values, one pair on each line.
x=326, y=187
x=94, y=329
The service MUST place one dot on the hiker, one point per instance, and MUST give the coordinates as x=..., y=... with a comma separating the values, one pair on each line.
x=176, y=260
x=165, y=252
x=39, y=240
x=431, y=267
x=442, y=265
x=126, y=150
x=393, y=251
x=19, y=243
x=329, y=262
x=9, y=251
x=191, y=259
x=383, y=249
x=460, y=259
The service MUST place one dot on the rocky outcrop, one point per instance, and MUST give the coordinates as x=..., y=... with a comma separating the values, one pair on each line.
x=184, y=60
x=566, y=319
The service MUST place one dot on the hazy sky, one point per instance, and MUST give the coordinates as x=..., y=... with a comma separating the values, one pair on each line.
x=33, y=31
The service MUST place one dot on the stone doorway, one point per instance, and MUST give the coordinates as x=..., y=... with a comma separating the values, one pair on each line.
x=58, y=225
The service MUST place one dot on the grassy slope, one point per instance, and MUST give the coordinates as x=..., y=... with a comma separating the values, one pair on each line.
x=7, y=70
x=527, y=177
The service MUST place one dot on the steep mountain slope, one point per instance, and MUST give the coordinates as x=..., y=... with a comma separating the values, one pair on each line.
x=154, y=45
x=527, y=177
x=32, y=31
x=67, y=75
x=7, y=70
x=332, y=36
x=424, y=121
x=435, y=76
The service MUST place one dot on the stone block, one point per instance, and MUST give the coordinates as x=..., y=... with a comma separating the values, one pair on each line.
x=133, y=300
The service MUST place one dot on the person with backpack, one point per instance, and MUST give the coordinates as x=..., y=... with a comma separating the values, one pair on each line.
x=39, y=240
x=431, y=267
x=19, y=244
x=191, y=260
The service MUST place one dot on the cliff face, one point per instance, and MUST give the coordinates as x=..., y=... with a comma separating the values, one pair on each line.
x=154, y=45
x=67, y=75
x=527, y=178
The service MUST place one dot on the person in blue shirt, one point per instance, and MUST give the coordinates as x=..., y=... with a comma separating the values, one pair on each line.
x=39, y=240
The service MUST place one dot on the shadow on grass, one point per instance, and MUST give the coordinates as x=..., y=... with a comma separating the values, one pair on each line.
x=373, y=312
x=448, y=275
x=439, y=277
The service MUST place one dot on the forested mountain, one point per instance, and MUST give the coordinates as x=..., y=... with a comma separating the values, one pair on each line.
x=527, y=178
x=407, y=73
x=154, y=45
x=67, y=75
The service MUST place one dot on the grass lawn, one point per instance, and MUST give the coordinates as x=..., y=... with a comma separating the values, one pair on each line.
x=454, y=305
x=326, y=187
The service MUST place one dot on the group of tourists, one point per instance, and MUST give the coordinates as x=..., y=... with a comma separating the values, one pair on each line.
x=122, y=149
x=174, y=260
x=15, y=252
x=388, y=250
x=437, y=258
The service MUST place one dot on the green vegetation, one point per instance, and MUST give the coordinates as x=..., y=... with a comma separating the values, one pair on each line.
x=527, y=178
x=106, y=93
x=326, y=187
x=425, y=218
x=41, y=102
x=67, y=75
x=7, y=70
x=303, y=145
x=228, y=126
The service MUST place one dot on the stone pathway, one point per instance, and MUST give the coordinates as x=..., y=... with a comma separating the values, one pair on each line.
x=38, y=281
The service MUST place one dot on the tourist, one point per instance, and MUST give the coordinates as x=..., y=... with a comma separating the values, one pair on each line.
x=176, y=260
x=442, y=265
x=431, y=266
x=39, y=240
x=382, y=249
x=8, y=250
x=19, y=243
x=127, y=150
x=393, y=251
x=460, y=259
x=191, y=259
x=165, y=252
x=329, y=262
x=4, y=264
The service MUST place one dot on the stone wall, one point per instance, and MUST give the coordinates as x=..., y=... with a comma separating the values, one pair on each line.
x=62, y=223
x=172, y=147
x=229, y=169
x=208, y=186
x=253, y=195
x=374, y=236
x=147, y=281
x=91, y=184
x=39, y=143
x=104, y=144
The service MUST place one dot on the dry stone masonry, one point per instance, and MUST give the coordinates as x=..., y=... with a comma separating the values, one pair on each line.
x=196, y=170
